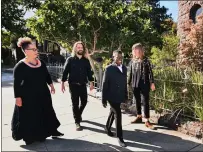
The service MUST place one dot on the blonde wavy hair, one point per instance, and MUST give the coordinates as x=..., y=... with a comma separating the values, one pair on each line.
x=74, y=48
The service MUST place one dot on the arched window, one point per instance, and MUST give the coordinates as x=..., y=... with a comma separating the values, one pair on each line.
x=195, y=11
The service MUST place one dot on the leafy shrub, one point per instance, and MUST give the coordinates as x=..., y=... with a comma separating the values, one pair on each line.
x=177, y=94
x=168, y=53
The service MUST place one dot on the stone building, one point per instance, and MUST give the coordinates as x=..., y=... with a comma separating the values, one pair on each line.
x=188, y=10
x=187, y=56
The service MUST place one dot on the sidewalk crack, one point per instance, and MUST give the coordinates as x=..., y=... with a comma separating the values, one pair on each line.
x=194, y=147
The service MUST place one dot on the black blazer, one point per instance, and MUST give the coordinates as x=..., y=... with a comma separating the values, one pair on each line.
x=114, y=87
x=147, y=71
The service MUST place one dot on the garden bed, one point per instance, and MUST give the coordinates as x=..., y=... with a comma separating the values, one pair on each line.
x=192, y=128
x=182, y=124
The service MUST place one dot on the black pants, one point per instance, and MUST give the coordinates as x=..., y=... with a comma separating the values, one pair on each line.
x=78, y=91
x=115, y=113
x=142, y=89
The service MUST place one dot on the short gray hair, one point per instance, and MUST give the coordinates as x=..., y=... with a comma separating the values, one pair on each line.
x=137, y=46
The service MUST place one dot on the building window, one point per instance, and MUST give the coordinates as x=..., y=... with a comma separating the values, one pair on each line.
x=195, y=11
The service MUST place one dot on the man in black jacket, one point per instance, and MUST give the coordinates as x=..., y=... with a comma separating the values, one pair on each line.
x=78, y=68
x=114, y=91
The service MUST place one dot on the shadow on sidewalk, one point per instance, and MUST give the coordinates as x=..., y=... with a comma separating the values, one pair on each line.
x=61, y=144
x=150, y=140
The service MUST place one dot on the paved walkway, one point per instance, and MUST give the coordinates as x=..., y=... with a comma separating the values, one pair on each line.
x=93, y=137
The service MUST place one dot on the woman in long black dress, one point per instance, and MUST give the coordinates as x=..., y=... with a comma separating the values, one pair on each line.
x=33, y=99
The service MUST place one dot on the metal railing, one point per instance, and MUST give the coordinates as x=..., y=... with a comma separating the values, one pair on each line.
x=56, y=71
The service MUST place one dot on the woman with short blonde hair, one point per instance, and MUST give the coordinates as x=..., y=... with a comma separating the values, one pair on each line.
x=141, y=79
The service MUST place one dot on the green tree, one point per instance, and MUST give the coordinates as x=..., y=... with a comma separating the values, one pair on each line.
x=13, y=23
x=103, y=25
x=160, y=20
x=12, y=12
x=166, y=55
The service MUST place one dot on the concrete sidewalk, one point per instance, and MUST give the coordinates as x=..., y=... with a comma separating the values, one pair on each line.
x=93, y=137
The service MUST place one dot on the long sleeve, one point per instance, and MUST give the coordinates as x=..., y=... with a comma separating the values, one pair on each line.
x=66, y=69
x=130, y=74
x=105, y=84
x=151, y=76
x=89, y=72
x=48, y=76
x=18, y=80
x=126, y=88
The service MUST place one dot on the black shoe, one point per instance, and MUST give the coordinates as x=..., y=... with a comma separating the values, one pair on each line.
x=109, y=133
x=28, y=142
x=78, y=127
x=121, y=142
x=80, y=119
x=57, y=134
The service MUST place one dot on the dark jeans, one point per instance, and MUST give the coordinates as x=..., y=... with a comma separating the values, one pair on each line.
x=78, y=91
x=143, y=89
x=115, y=113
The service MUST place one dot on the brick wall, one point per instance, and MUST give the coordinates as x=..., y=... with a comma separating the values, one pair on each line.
x=184, y=13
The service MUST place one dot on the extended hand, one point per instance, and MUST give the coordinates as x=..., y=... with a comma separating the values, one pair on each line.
x=153, y=87
x=52, y=90
x=19, y=102
x=91, y=86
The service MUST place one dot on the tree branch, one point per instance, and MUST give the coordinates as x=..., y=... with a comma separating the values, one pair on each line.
x=96, y=35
